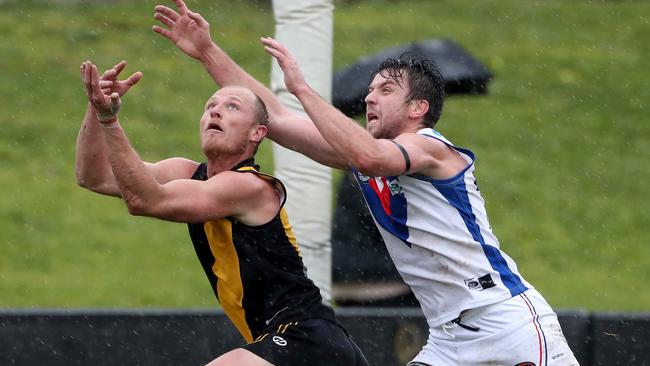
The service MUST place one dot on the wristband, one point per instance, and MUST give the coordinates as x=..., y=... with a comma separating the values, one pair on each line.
x=110, y=126
x=105, y=116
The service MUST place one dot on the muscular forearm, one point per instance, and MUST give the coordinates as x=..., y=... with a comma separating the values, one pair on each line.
x=344, y=135
x=224, y=71
x=139, y=188
x=93, y=170
x=290, y=130
x=300, y=135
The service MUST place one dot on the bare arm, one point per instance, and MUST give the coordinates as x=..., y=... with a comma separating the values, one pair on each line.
x=190, y=32
x=180, y=200
x=93, y=170
x=373, y=157
x=184, y=200
x=242, y=195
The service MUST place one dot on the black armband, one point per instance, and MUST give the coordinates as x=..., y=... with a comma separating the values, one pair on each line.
x=407, y=160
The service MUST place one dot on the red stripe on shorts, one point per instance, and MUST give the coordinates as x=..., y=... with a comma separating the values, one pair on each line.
x=539, y=337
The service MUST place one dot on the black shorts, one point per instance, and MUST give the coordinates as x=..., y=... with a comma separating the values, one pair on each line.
x=312, y=342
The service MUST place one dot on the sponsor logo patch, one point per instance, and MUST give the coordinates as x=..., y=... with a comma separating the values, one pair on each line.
x=279, y=341
x=394, y=187
x=480, y=283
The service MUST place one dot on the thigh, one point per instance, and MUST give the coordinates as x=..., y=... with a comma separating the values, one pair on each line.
x=523, y=330
x=552, y=345
x=312, y=342
x=239, y=357
x=440, y=350
x=535, y=343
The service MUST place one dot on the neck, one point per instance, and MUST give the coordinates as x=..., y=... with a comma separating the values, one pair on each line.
x=220, y=164
x=414, y=126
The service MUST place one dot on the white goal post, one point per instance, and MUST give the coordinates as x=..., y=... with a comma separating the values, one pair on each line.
x=305, y=27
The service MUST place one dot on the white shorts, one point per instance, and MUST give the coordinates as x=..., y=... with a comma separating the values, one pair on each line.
x=522, y=330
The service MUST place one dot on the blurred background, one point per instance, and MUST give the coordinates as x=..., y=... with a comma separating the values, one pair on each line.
x=562, y=139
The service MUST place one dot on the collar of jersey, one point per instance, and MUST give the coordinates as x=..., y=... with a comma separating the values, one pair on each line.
x=246, y=165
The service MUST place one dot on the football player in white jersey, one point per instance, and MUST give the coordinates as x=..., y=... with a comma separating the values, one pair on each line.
x=422, y=195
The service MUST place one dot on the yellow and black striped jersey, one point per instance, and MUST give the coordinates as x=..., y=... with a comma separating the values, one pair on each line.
x=256, y=272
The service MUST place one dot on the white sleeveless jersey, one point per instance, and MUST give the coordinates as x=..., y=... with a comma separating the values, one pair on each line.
x=438, y=235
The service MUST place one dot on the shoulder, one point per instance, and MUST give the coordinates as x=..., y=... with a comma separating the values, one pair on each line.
x=178, y=162
x=173, y=168
x=254, y=196
x=431, y=156
x=244, y=182
x=416, y=143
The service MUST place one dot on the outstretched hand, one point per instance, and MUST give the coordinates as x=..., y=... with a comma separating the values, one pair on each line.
x=104, y=92
x=293, y=78
x=110, y=83
x=188, y=30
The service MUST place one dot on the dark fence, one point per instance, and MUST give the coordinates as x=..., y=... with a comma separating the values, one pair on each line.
x=388, y=336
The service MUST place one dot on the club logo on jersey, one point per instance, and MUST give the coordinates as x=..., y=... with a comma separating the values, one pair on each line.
x=394, y=187
x=480, y=283
x=279, y=341
x=363, y=178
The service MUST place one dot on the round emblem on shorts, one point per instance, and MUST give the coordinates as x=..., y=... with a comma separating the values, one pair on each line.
x=279, y=341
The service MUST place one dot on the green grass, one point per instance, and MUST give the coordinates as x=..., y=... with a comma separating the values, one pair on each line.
x=561, y=140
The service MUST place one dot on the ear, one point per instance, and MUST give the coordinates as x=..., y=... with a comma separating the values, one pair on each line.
x=418, y=108
x=258, y=133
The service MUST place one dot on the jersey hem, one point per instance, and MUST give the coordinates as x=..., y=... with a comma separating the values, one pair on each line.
x=449, y=316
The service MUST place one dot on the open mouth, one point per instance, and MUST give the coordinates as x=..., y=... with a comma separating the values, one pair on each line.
x=213, y=126
x=371, y=117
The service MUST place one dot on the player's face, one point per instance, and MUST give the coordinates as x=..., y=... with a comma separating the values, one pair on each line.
x=386, y=107
x=227, y=121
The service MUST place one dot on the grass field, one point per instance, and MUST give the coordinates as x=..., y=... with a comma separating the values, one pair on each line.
x=562, y=140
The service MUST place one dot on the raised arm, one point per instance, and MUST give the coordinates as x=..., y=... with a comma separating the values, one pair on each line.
x=242, y=195
x=401, y=153
x=93, y=170
x=190, y=32
x=350, y=140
